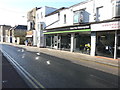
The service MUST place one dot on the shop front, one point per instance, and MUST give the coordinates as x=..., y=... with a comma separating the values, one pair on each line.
x=118, y=45
x=105, y=43
x=70, y=38
x=83, y=42
x=29, y=38
x=107, y=39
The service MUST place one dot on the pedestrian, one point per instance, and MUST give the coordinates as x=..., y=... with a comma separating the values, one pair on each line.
x=26, y=42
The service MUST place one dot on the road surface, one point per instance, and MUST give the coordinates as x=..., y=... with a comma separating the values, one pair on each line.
x=10, y=77
x=51, y=72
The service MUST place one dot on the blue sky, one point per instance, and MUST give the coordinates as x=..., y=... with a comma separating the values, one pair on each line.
x=13, y=10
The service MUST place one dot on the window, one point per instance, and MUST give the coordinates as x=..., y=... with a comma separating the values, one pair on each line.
x=118, y=8
x=99, y=12
x=38, y=26
x=64, y=18
x=59, y=15
x=41, y=15
x=41, y=26
x=78, y=16
x=37, y=16
x=31, y=25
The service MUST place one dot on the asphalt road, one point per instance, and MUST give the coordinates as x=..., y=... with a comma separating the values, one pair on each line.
x=53, y=72
x=10, y=77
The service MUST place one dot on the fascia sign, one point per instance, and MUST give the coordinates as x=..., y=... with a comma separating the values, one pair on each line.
x=106, y=26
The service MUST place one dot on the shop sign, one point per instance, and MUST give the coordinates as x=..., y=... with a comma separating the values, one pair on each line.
x=106, y=26
x=80, y=27
x=29, y=32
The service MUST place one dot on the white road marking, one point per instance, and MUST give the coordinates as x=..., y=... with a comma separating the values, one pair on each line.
x=38, y=53
x=48, y=62
x=36, y=58
x=27, y=75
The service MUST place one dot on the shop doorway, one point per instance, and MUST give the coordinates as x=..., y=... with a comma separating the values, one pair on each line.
x=55, y=41
x=118, y=47
x=105, y=44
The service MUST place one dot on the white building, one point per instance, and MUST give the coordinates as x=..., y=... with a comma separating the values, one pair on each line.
x=41, y=24
x=4, y=34
x=89, y=22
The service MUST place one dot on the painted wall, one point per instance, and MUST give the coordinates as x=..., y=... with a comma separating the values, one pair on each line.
x=41, y=23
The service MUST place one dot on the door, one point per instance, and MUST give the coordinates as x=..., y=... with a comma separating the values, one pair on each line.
x=55, y=42
x=118, y=48
x=59, y=42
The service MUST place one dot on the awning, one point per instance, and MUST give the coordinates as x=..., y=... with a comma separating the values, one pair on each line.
x=29, y=35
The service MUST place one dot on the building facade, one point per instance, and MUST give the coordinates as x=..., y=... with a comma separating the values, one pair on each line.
x=72, y=30
x=18, y=34
x=90, y=27
x=41, y=24
x=4, y=33
x=31, y=26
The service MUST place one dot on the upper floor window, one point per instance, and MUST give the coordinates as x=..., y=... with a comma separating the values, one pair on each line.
x=41, y=15
x=59, y=15
x=99, y=13
x=64, y=18
x=116, y=8
x=42, y=27
x=78, y=16
x=37, y=16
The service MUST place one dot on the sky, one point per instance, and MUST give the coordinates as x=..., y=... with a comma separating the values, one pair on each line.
x=14, y=12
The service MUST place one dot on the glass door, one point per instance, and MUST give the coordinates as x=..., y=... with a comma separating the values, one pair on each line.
x=55, y=42
x=118, y=47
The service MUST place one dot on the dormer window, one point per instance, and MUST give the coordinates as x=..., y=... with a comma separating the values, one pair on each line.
x=78, y=16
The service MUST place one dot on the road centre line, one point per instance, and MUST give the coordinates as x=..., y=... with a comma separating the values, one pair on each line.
x=29, y=77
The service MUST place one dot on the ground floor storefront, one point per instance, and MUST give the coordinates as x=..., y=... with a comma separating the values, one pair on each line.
x=101, y=39
x=29, y=38
x=106, y=39
x=72, y=38
x=74, y=42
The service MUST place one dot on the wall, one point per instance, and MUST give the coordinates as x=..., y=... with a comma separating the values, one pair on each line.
x=40, y=19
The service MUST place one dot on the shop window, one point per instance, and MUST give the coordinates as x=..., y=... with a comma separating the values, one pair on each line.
x=105, y=43
x=66, y=42
x=83, y=42
x=118, y=45
x=48, y=40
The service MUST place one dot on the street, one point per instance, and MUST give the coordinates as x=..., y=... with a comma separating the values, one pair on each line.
x=10, y=78
x=52, y=72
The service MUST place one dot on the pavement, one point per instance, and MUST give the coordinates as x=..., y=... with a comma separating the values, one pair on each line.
x=73, y=56
x=10, y=77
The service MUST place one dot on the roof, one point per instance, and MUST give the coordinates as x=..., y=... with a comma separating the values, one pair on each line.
x=83, y=2
x=6, y=25
x=22, y=27
x=36, y=8
x=56, y=11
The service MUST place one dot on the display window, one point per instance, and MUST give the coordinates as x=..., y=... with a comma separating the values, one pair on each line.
x=105, y=43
